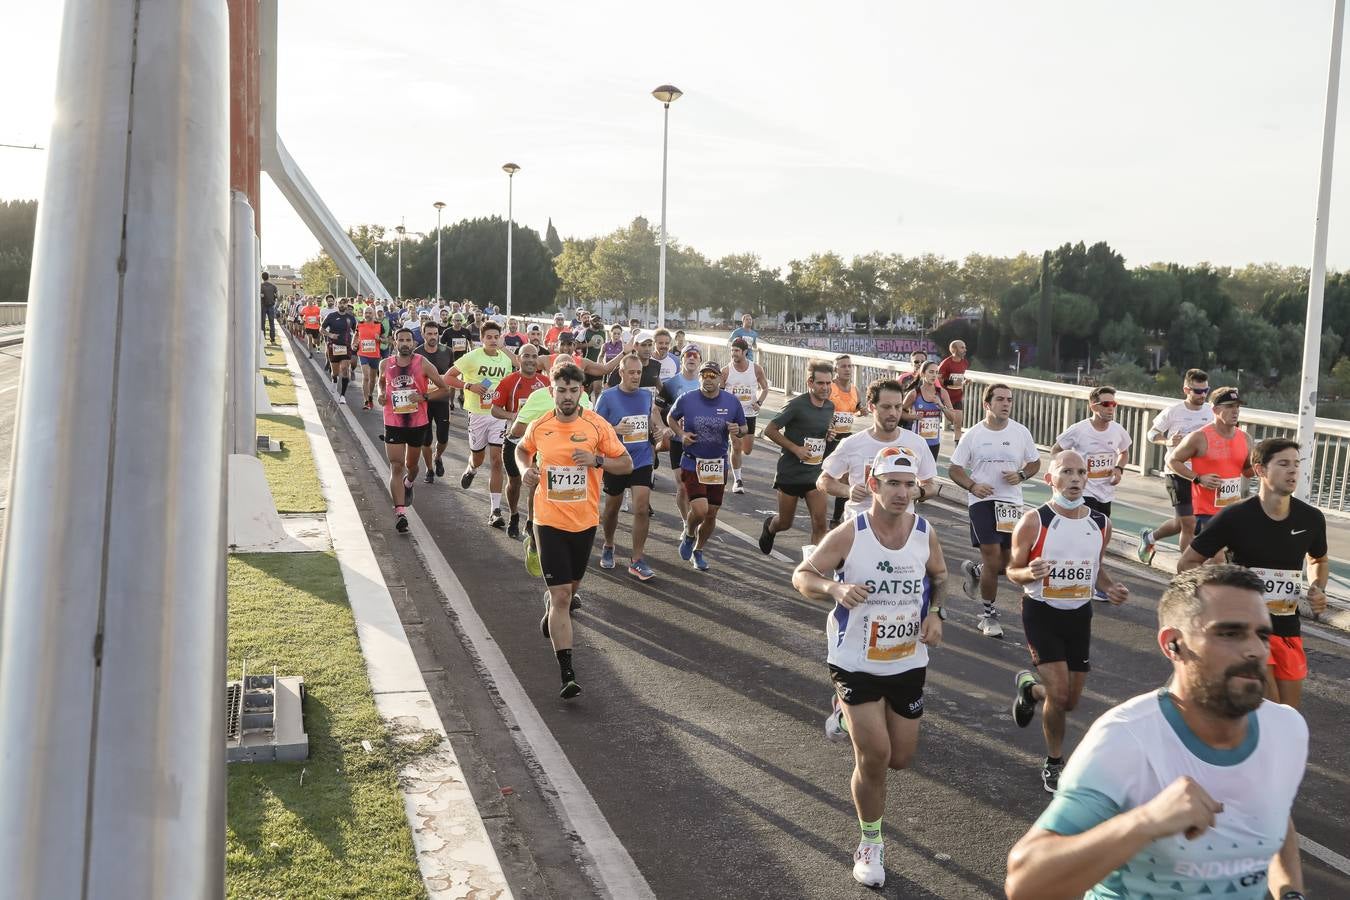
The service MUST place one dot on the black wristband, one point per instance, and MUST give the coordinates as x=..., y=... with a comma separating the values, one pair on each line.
x=1292, y=895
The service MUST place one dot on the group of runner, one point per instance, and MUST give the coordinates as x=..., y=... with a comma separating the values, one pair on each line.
x=881, y=568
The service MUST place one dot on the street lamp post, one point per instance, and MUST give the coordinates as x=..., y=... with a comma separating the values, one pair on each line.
x=510, y=169
x=439, y=206
x=667, y=94
x=399, y=289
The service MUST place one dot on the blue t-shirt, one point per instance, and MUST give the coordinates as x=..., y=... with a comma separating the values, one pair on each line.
x=751, y=336
x=616, y=405
x=709, y=418
x=671, y=390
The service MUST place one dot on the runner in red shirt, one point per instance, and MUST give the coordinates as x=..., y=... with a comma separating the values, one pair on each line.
x=512, y=391
x=952, y=376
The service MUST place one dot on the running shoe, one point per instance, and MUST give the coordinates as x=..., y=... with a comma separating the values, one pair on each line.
x=342, y=399
x=366, y=405
x=989, y=627
x=532, y=564
x=543, y=623
x=1147, y=546
x=686, y=546
x=569, y=690
x=970, y=579
x=699, y=562
x=606, y=557
x=766, y=537
x=467, y=478
x=1050, y=776
x=1024, y=703
x=401, y=523
x=738, y=487
x=440, y=468
x=575, y=604
x=429, y=477
x=496, y=520
x=407, y=491
x=1099, y=594
x=513, y=527
x=639, y=569
x=836, y=729
x=869, y=868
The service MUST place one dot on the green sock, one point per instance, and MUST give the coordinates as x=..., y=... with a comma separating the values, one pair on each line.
x=871, y=831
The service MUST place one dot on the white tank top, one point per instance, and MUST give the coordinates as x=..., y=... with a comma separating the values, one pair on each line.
x=1074, y=548
x=744, y=386
x=881, y=635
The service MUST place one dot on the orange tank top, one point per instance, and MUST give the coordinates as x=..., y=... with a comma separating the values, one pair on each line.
x=1226, y=458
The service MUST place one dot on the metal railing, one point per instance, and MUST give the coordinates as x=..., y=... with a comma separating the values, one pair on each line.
x=13, y=313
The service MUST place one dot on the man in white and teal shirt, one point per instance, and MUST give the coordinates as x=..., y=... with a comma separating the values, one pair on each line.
x=1186, y=791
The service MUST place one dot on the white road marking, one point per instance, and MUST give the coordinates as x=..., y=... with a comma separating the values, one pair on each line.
x=753, y=542
x=12, y=387
x=1325, y=854
x=1325, y=635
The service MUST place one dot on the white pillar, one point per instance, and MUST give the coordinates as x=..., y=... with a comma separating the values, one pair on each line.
x=510, y=226
x=244, y=328
x=112, y=583
x=661, y=274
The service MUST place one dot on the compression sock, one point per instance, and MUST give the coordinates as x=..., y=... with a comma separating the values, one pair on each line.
x=1054, y=760
x=871, y=831
x=343, y=389
x=496, y=500
x=565, y=666
x=400, y=510
x=979, y=571
x=989, y=608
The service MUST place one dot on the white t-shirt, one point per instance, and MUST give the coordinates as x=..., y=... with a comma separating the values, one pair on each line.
x=1140, y=747
x=986, y=454
x=854, y=457
x=670, y=367
x=1181, y=420
x=1101, y=449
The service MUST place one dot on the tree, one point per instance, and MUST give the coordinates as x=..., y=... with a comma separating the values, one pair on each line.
x=1123, y=336
x=555, y=245
x=1045, y=318
x=863, y=279
x=18, y=227
x=1245, y=341
x=576, y=271
x=1191, y=338
x=317, y=274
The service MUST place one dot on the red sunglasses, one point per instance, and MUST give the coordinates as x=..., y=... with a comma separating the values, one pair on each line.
x=1107, y=404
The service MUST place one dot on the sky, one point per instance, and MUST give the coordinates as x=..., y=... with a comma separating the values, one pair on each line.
x=1174, y=131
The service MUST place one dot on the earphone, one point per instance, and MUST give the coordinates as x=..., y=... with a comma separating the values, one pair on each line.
x=1172, y=645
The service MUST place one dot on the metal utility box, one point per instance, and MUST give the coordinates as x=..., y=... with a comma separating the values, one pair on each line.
x=263, y=718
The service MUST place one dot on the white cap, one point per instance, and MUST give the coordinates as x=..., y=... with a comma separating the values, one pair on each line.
x=895, y=459
x=644, y=336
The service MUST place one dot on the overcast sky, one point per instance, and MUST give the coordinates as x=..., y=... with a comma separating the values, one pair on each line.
x=1175, y=131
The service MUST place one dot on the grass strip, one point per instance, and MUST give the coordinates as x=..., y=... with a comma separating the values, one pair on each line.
x=291, y=474
x=280, y=386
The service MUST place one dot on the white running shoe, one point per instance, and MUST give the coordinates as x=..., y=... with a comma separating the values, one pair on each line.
x=970, y=580
x=869, y=864
x=989, y=626
x=835, y=729
x=739, y=487
x=342, y=400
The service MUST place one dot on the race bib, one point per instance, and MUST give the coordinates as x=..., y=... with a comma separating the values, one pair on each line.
x=567, y=484
x=842, y=423
x=652, y=389
x=711, y=471
x=743, y=392
x=459, y=345
x=639, y=433
x=1006, y=516
x=956, y=380
x=339, y=349
x=930, y=428
x=1069, y=579
x=891, y=636
x=815, y=450
x=369, y=345
x=405, y=401
x=1284, y=588
x=1229, y=492
x=1101, y=465
x=311, y=321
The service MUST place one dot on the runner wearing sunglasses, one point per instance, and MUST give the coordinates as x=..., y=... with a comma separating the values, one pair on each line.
x=1105, y=445
x=1169, y=429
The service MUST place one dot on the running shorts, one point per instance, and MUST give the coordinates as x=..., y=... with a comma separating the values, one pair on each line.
x=794, y=490
x=904, y=692
x=484, y=429
x=983, y=528
x=1179, y=492
x=413, y=436
x=372, y=361
x=438, y=412
x=697, y=490
x=1287, y=661
x=1094, y=504
x=563, y=554
x=1058, y=635
x=676, y=454
x=509, y=458
x=617, y=484
x=750, y=424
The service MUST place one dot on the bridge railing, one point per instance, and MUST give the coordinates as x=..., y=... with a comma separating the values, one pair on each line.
x=13, y=313
x=1046, y=408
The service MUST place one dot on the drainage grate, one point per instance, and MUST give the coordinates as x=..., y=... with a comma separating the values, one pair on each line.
x=233, y=696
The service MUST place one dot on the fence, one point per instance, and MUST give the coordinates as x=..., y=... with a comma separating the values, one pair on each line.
x=12, y=313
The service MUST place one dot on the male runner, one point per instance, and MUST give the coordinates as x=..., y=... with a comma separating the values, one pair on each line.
x=704, y=420
x=507, y=400
x=685, y=380
x=990, y=462
x=845, y=471
x=887, y=579
x=1219, y=456
x=572, y=446
x=460, y=340
x=513, y=338
x=952, y=376
x=848, y=405
x=632, y=413
x=664, y=358
x=478, y=372
x=748, y=334
x=1057, y=552
x=369, y=335
x=800, y=429
x=403, y=393
x=551, y=338
x=1169, y=428
x=310, y=316
x=340, y=330
x=1103, y=443
x=645, y=346
x=917, y=359
x=1185, y=791
x=438, y=411
x=1273, y=534
x=748, y=384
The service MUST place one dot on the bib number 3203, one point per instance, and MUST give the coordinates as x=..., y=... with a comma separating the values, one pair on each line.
x=891, y=637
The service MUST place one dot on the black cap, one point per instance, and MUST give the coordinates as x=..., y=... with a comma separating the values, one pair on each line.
x=710, y=366
x=1228, y=395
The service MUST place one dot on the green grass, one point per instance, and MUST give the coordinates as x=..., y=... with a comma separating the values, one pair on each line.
x=290, y=473
x=280, y=386
x=343, y=832
x=272, y=356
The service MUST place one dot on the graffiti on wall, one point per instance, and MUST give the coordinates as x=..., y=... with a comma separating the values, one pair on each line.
x=884, y=347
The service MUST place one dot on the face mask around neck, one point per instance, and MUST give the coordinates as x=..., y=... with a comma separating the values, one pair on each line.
x=1060, y=500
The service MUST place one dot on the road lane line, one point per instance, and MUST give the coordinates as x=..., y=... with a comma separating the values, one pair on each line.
x=611, y=867
x=1325, y=854
x=12, y=387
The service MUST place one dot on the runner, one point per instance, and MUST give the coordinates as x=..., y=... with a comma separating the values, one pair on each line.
x=927, y=405
x=1169, y=428
x=704, y=420
x=1219, y=457
x=848, y=405
x=1104, y=444
x=551, y=338
x=632, y=413
x=572, y=445
x=1185, y=791
x=369, y=336
x=686, y=380
x=748, y=334
x=340, y=330
x=990, y=462
x=1057, y=552
x=438, y=411
x=460, y=340
x=661, y=353
x=478, y=372
x=513, y=338
x=878, y=635
x=1274, y=534
x=507, y=400
x=748, y=384
x=952, y=375
x=310, y=315
x=614, y=346
x=917, y=358
x=845, y=471
x=403, y=393
x=800, y=430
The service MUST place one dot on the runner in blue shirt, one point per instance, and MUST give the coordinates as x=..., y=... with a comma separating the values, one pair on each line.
x=747, y=331
x=632, y=412
x=704, y=420
x=682, y=382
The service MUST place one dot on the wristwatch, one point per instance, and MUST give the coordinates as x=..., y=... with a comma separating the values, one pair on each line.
x=599, y=461
x=941, y=613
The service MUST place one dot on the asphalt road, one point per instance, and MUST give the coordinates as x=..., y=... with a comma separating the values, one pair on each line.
x=699, y=730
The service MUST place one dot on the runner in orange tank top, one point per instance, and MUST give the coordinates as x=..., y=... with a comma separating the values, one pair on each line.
x=849, y=404
x=1215, y=458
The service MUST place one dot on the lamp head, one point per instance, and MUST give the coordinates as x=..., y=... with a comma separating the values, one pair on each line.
x=439, y=205
x=667, y=93
x=510, y=168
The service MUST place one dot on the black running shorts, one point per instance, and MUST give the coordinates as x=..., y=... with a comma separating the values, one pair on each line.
x=414, y=436
x=1179, y=492
x=563, y=554
x=438, y=411
x=1058, y=635
x=617, y=484
x=904, y=692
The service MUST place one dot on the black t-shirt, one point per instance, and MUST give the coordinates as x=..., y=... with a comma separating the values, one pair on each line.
x=807, y=425
x=440, y=360
x=1257, y=541
x=342, y=325
x=269, y=295
x=651, y=377
x=463, y=336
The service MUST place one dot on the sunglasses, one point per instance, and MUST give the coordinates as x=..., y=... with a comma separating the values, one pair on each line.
x=1196, y=390
x=1107, y=404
